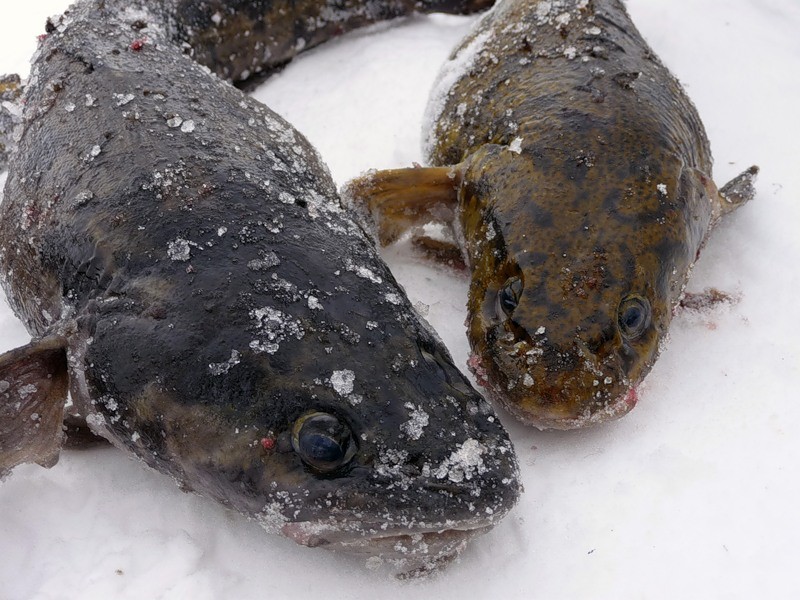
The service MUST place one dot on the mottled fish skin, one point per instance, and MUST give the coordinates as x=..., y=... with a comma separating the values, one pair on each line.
x=189, y=246
x=575, y=172
x=585, y=198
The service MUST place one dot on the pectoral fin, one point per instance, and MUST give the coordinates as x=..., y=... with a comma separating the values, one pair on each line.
x=33, y=392
x=399, y=199
x=738, y=191
x=444, y=252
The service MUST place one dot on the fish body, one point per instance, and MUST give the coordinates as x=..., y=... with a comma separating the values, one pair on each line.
x=576, y=172
x=179, y=254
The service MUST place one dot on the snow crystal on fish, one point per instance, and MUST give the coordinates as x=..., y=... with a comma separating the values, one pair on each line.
x=224, y=367
x=418, y=420
x=454, y=69
x=178, y=249
x=464, y=463
x=343, y=381
x=274, y=327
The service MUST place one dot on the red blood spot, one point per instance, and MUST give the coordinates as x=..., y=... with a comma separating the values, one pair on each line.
x=476, y=366
x=268, y=443
x=631, y=398
x=41, y=37
x=137, y=45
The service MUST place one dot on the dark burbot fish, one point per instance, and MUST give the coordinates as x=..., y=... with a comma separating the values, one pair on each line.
x=180, y=256
x=577, y=178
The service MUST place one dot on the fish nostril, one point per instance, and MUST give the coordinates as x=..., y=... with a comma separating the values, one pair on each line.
x=410, y=470
x=447, y=373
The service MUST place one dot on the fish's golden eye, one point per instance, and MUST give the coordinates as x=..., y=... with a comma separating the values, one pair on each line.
x=508, y=297
x=633, y=316
x=323, y=442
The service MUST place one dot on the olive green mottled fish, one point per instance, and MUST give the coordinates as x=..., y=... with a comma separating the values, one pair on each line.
x=180, y=256
x=576, y=174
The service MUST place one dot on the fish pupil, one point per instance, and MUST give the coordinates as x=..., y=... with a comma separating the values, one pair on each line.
x=634, y=316
x=321, y=448
x=322, y=441
x=509, y=294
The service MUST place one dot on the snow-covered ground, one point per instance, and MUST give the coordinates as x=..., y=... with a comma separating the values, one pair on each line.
x=692, y=495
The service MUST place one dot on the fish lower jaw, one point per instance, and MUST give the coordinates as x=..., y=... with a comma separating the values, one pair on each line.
x=564, y=420
x=406, y=553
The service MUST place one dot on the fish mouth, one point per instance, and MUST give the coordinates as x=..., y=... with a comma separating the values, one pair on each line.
x=561, y=400
x=564, y=419
x=407, y=552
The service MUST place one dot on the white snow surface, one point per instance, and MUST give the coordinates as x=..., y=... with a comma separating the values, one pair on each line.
x=692, y=495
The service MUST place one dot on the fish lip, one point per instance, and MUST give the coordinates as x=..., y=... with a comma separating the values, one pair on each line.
x=317, y=534
x=409, y=552
x=558, y=419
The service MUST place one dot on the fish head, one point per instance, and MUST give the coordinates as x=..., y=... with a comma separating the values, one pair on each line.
x=574, y=280
x=339, y=421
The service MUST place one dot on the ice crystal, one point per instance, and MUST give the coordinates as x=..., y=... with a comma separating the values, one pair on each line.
x=342, y=381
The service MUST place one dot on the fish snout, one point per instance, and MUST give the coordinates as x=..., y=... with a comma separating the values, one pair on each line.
x=559, y=386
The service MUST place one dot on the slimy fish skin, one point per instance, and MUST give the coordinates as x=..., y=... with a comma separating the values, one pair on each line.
x=576, y=175
x=181, y=258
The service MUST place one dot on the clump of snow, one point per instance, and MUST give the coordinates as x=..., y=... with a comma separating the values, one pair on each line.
x=268, y=260
x=393, y=298
x=452, y=70
x=224, y=367
x=343, y=381
x=418, y=420
x=123, y=99
x=273, y=327
x=466, y=462
x=179, y=250
x=362, y=271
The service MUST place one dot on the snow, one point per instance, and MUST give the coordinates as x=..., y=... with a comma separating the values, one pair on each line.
x=694, y=494
x=342, y=381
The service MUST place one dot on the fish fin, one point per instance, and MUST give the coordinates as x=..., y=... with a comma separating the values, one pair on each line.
x=707, y=299
x=443, y=251
x=396, y=200
x=33, y=392
x=738, y=191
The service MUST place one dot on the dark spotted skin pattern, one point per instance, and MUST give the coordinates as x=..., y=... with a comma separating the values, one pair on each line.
x=189, y=246
x=584, y=171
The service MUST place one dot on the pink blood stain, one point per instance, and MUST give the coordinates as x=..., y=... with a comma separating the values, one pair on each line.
x=268, y=443
x=137, y=45
x=631, y=398
x=475, y=363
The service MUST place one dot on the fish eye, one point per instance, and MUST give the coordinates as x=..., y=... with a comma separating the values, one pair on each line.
x=633, y=316
x=323, y=441
x=508, y=297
